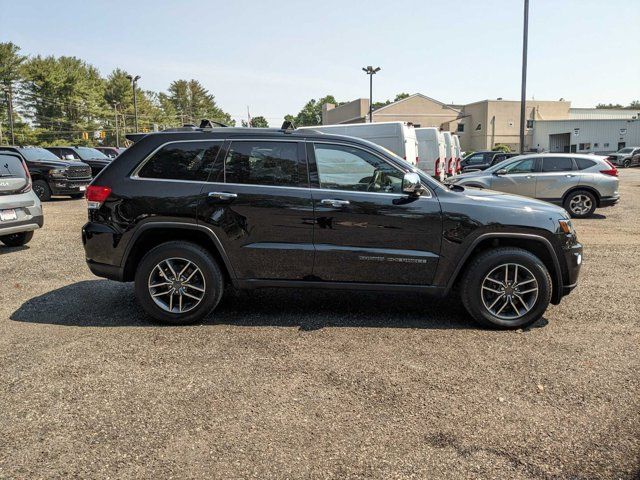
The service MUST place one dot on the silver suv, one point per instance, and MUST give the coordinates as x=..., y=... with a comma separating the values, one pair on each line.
x=579, y=183
x=20, y=209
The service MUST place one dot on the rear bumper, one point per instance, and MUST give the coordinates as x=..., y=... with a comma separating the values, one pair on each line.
x=609, y=201
x=28, y=225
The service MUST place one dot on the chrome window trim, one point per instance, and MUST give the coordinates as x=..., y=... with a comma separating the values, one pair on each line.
x=375, y=154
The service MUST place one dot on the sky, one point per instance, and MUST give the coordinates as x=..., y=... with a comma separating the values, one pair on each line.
x=273, y=56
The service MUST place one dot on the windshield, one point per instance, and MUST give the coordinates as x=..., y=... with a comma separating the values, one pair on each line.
x=626, y=150
x=87, y=153
x=34, y=153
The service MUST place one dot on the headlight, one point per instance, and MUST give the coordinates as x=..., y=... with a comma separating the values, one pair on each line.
x=58, y=172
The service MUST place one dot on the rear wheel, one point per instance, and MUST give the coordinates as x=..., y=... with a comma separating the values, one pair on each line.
x=626, y=163
x=17, y=239
x=506, y=288
x=42, y=190
x=178, y=283
x=580, y=204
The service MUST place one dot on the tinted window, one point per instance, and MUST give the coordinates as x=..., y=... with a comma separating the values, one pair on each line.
x=88, y=153
x=192, y=161
x=557, y=164
x=584, y=163
x=11, y=166
x=475, y=159
x=262, y=163
x=348, y=168
x=523, y=166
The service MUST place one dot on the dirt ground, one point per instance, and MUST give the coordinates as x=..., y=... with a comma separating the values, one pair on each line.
x=300, y=384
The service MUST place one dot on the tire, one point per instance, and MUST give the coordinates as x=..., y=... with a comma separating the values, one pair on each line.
x=206, y=283
x=42, y=190
x=580, y=204
x=484, y=305
x=17, y=239
x=626, y=163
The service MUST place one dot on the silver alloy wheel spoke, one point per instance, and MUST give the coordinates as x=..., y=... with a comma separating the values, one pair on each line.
x=509, y=302
x=168, y=286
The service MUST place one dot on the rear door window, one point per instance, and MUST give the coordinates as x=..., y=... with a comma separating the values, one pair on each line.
x=186, y=161
x=262, y=163
x=557, y=164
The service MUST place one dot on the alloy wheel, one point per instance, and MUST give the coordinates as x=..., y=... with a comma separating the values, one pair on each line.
x=39, y=191
x=509, y=291
x=580, y=204
x=176, y=285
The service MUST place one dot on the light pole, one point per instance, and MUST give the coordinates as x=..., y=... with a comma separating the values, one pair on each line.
x=523, y=93
x=369, y=70
x=115, y=111
x=7, y=91
x=135, y=101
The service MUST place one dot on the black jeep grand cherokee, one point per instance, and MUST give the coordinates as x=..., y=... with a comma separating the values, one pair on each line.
x=187, y=213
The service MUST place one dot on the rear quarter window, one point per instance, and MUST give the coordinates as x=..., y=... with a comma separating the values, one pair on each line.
x=583, y=163
x=189, y=161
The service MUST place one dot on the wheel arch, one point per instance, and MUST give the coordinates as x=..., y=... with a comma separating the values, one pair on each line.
x=582, y=187
x=535, y=244
x=151, y=235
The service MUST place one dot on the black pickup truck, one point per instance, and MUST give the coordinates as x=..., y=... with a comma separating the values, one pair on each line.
x=51, y=175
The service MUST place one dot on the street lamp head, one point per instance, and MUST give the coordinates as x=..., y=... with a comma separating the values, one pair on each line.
x=370, y=70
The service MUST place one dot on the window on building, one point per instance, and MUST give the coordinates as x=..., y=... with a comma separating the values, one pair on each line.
x=349, y=168
x=595, y=145
x=605, y=145
x=262, y=163
x=529, y=123
x=182, y=161
x=581, y=146
x=460, y=127
x=479, y=127
x=557, y=164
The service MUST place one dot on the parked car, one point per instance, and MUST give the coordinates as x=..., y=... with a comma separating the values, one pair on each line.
x=431, y=152
x=397, y=137
x=95, y=159
x=449, y=148
x=111, y=152
x=51, y=175
x=20, y=209
x=185, y=214
x=625, y=157
x=580, y=183
x=483, y=159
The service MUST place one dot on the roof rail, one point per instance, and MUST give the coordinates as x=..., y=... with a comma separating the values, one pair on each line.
x=206, y=123
x=287, y=126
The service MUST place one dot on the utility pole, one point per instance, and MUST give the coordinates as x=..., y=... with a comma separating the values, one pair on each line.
x=523, y=94
x=369, y=70
x=7, y=91
x=115, y=110
x=135, y=101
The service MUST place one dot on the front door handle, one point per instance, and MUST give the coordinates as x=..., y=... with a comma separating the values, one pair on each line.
x=222, y=195
x=330, y=202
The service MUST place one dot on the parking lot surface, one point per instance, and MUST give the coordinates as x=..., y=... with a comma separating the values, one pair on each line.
x=291, y=384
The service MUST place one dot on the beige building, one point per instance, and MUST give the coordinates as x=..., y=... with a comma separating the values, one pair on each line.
x=418, y=109
x=486, y=123
x=480, y=125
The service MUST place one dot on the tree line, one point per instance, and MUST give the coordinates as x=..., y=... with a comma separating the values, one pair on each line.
x=62, y=100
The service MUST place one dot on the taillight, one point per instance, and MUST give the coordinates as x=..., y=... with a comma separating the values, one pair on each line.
x=96, y=195
x=437, y=172
x=613, y=171
x=458, y=166
x=27, y=187
x=449, y=169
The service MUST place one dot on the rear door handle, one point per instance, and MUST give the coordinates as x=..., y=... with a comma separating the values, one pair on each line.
x=222, y=195
x=570, y=175
x=330, y=202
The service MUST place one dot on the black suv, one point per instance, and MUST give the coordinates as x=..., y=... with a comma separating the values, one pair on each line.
x=187, y=213
x=51, y=175
x=94, y=158
x=483, y=160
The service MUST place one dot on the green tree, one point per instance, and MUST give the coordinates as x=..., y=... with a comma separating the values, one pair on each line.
x=311, y=113
x=193, y=102
x=635, y=105
x=501, y=147
x=609, y=105
x=259, y=122
x=399, y=96
x=11, y=76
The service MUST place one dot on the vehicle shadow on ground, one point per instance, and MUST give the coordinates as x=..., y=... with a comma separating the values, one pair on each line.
x=4, y=249
x=102, y=303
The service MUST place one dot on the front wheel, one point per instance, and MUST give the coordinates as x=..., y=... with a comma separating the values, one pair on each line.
x=178, y=283
x=580, y=204
x=626, y=163
x=42, y=190
x=17, y=239
x=506, y=288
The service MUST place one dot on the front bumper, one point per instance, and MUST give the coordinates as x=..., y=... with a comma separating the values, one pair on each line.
x=573, y=263
x=609, y=201
x=64, y=186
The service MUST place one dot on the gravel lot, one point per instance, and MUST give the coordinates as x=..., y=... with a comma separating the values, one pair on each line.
x=291, y=384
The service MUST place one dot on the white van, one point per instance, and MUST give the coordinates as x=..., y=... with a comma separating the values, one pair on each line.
x=458, y=152
x=431, y=152
x=450, y=168
x=397, y=137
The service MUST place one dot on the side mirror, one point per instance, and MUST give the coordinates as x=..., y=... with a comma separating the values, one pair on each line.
x=411, y=184
x=502, y=171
